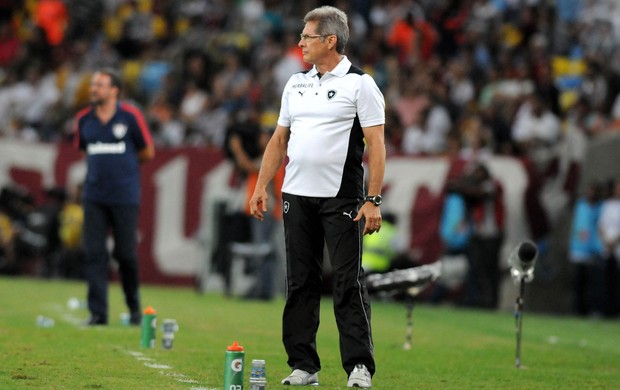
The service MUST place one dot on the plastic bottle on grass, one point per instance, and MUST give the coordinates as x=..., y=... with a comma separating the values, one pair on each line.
x=233, y=367
x=258, y=379
x=45, y=322
x=168, y=328
x=149, y=325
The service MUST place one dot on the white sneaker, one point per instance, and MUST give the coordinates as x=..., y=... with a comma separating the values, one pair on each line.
x=360, y=377
x=301, y=378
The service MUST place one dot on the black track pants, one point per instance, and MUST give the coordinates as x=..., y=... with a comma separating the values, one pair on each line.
x=309, y=223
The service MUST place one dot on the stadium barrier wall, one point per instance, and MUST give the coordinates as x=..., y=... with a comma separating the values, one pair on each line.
x=181, y=186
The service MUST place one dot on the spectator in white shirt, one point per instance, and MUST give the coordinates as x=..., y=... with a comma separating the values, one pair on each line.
x=536, y=131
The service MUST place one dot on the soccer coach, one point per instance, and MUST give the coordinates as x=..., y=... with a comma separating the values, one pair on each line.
x=115, y=138
x=328, y=116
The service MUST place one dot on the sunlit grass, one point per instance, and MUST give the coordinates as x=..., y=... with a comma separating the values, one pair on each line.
x=452, y=348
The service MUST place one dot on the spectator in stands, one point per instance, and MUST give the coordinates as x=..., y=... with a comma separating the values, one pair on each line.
x=86, y=18
x=197, y=68
x=461, y=90
x=232, y=83
x=546, y=86
x=428, y=135
x=138, y=23
x=412, y=101
x=50, y=212
x=412, y=37
x=20, y=129
x=450, y=18
x=126, y=45
x=194, y=103
x=71, y=223
x=536, y=131
x=52, y=16
x=7, y=235
x=169, y=130
x=485, y=215
x=585, y=252
x=37, y=97
x=594, y=84
x=393, y=132
x=416, y=140
x=477, y=139
x=455, y=232
x=9, y=43
x=609, y=227
x=245, y=144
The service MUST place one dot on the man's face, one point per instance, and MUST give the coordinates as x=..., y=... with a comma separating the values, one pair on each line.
x=101, y=89
x=313, y=47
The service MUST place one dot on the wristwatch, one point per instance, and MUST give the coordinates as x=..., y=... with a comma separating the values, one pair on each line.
x=374, y=199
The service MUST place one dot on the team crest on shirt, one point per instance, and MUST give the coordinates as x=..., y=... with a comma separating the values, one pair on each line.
x=119, y=130
x=330, y=94
x=285, y=206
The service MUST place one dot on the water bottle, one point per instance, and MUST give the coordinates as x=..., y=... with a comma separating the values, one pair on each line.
x=258, y=379
x=149, y=325
x=233, y=367
x=45, y=322
x=124, y=319
x=169, y=327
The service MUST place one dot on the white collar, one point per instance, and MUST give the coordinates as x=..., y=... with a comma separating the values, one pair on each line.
x=340, y=70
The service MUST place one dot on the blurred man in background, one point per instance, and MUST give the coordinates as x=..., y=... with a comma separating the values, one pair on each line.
x=115, y=139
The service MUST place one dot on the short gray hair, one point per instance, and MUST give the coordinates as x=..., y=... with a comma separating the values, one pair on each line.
x=330, y=21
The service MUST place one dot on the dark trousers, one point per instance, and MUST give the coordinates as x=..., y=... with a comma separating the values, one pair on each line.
x=588, y=287
x=612, y=276
x=309, y=224
x=262, y=232
x=122, y=221
x=482, y=284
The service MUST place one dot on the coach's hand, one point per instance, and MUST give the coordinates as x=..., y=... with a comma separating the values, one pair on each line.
x=258, y=203
x=372, y=215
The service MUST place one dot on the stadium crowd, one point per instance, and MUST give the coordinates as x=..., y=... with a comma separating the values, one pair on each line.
x=471, y=77
x=463, y=78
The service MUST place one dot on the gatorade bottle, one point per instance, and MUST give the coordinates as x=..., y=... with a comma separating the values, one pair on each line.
x=149, y=325
x=233, y=368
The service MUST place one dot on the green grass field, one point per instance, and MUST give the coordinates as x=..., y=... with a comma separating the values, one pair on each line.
x=452, y=348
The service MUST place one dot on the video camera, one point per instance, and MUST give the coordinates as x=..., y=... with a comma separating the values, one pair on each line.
x=404, y=279
x=522, y=261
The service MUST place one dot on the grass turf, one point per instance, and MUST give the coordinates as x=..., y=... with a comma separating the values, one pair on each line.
x=452, y=348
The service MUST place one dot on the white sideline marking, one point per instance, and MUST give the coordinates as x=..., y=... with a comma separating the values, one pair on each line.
x=66, y=316
x=160, y=366
x=69, y=317
x=181, y=378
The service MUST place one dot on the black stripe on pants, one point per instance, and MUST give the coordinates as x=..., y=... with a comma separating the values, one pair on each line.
x=309, y=223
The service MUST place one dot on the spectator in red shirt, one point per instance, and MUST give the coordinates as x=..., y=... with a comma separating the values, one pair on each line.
x=52, y=16
x=9, y=43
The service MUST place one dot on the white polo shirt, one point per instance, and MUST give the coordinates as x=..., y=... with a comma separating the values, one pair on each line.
x=326, y=117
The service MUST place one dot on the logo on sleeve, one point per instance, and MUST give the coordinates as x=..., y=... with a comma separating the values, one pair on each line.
x=119, y=130
x=330, y=94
